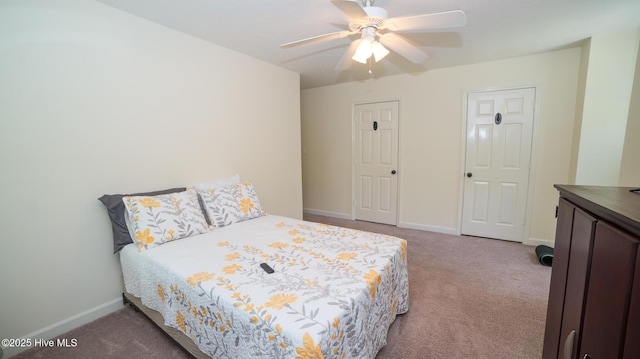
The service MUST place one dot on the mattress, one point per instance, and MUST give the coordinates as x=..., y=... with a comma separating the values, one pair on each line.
x=333, y=293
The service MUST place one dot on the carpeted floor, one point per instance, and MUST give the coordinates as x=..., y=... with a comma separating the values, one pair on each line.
x=469, y=298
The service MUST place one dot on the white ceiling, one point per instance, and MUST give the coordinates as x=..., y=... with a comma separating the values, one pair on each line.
x=496, y=29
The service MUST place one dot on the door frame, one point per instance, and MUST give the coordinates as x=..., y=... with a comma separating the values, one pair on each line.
x=532, y=163
x=353, y=154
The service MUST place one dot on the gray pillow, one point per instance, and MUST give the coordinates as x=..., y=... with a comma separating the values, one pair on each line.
x=115, y=209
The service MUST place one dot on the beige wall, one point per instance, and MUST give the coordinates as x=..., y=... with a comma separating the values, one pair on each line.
x=606, y=108
x=630, y=166
x=95, y=101
x=431, y=120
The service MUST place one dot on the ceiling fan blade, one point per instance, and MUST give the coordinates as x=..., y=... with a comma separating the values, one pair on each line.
x=325, y=37
x=346, y=59
x=352, y=9
x=441, y=20
x=398, y=44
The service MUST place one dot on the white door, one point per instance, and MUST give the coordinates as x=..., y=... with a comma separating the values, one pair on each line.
x=375, y=147
x=499, y=135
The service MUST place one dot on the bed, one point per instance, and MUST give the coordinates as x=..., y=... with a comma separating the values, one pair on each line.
x=333, y=292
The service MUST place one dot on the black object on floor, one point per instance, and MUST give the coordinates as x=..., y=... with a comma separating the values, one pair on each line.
x=545, y=255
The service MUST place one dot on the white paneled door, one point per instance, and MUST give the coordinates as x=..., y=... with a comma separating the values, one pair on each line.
x=499, y=136
x=375, y=149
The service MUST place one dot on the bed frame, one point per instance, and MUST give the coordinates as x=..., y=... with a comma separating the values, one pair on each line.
x=180, y=338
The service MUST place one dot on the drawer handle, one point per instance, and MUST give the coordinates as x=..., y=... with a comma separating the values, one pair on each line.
x=568, y=344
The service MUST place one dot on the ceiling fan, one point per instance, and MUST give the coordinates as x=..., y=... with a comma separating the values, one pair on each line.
x=378, y=32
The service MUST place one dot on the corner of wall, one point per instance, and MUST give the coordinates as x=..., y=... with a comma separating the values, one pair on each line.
x=582, y=84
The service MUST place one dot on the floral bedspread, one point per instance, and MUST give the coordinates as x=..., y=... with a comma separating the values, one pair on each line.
x=333, y=294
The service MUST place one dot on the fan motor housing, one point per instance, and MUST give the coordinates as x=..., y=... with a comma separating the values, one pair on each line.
x=376, y=17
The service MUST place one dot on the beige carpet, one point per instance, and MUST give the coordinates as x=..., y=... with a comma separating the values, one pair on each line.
x=469, y=298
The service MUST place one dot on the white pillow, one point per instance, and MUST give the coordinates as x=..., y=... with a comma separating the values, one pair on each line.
x=231, y=204
x=155, y=220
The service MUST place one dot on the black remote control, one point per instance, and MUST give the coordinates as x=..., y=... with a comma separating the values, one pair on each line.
x=266, y=268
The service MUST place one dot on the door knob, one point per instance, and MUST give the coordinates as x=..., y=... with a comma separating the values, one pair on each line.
x=469, y=174
x=393, y=172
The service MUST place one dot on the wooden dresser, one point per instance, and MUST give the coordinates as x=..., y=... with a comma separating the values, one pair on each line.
x=594, y=297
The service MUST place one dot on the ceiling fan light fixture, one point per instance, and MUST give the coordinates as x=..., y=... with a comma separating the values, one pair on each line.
x=364, y=51
x=379, y=51
x=368, y=48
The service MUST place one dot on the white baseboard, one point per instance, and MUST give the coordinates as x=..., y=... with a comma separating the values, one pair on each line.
x=326, y=213
x=428, y=228
x=63, y=326
x=537, y=242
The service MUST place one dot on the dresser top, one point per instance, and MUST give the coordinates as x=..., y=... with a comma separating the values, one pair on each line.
x=614, y=204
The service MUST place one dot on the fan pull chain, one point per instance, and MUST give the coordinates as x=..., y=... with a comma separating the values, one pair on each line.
x=370, y=62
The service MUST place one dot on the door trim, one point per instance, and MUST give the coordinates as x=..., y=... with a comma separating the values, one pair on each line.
x=353, y=154
x=533, y=159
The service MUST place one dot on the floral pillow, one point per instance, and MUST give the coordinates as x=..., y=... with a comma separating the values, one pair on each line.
x=230, y=204
x=204, y=186
x=155, y=220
